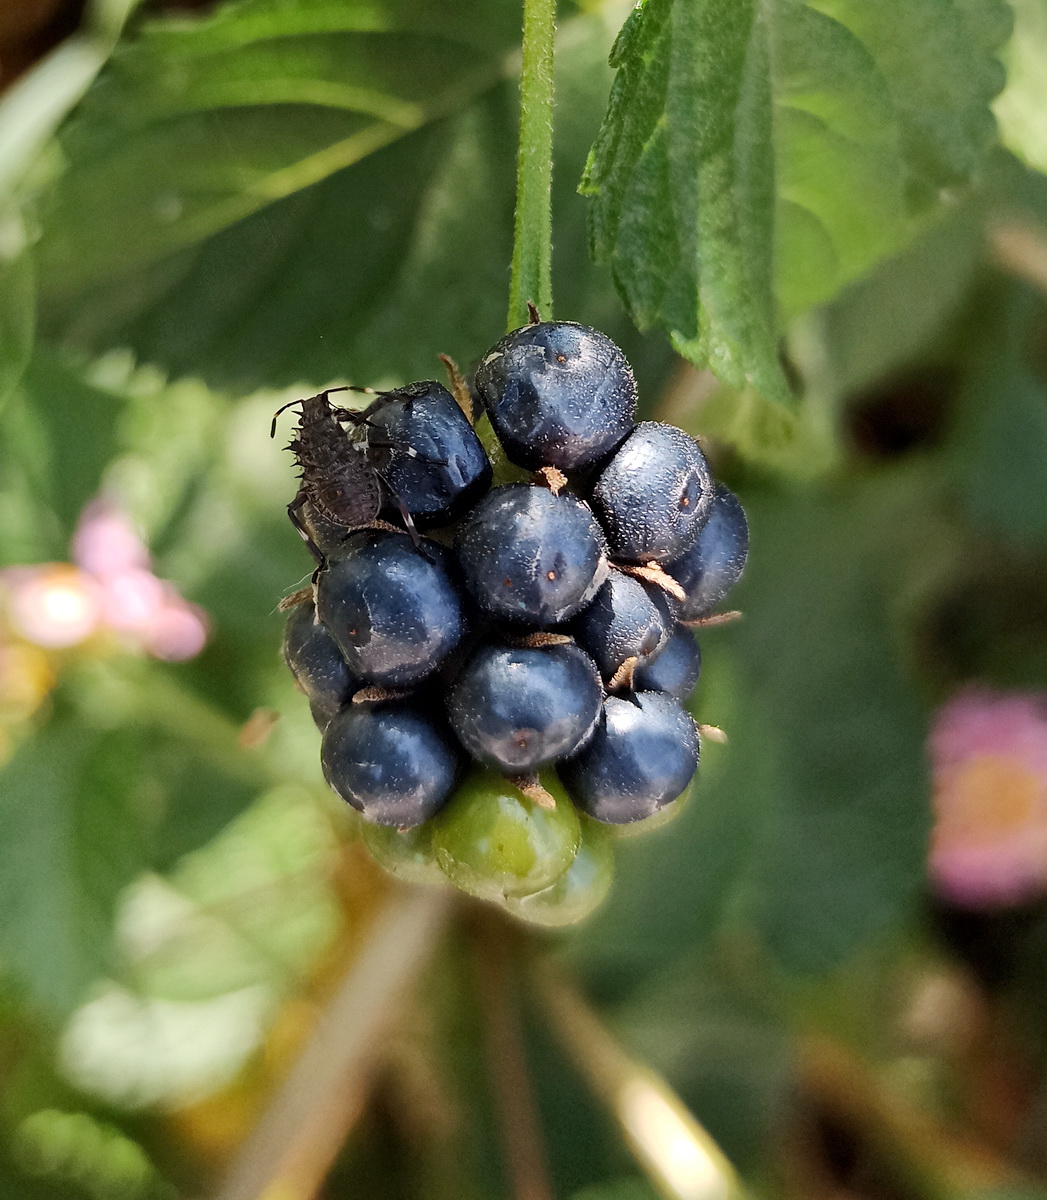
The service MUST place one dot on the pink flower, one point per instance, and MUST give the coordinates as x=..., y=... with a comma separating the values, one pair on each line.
x=54, y=605
x=111, y=587
x=989, y=769
x=105, y=542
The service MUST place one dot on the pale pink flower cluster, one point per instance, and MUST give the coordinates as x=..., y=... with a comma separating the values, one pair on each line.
x=109, y=586
x=988, y=753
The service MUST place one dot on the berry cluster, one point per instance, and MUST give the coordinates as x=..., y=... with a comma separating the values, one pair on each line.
x=543, y=624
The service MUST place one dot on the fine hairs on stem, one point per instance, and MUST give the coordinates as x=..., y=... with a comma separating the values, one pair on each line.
x=532, y=235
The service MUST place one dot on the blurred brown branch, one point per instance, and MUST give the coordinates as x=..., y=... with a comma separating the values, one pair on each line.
x=291, y=1149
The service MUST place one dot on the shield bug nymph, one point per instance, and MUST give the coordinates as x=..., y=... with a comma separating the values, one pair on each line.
x=339, y=480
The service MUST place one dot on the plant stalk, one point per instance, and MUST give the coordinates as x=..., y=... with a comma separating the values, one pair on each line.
x=532, y=235
x=497, y=985
x=299, y=1135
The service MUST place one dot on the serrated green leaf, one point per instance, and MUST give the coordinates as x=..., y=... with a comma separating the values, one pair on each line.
x=756, y=157
x=71, y=838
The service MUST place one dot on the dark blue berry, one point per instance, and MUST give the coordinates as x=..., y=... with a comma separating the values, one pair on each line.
x=626, y=619
x=654, y=496
x=428, y=453
x=559, y=395
x=641, y=757
x=394, y=611
x=317, y=664
x=391, y=761
x=528, y=555
x=520, y=709
x=714, y=564
x=675, y=671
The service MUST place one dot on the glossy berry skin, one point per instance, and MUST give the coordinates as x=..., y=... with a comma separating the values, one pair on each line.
x=520, y=709
x=406, y=854
x=493, y=842
x=625, y=620
x=675, y=671
x=448, y=470
x=391, y=761
x=529, y=556
x=317, y=664
x=640, y=758
x=578, y=892
x=558, y=394
x=655, y=494
x=394, y=611
x=714, y=564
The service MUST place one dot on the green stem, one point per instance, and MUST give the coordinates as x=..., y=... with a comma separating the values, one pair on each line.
x=532, y=236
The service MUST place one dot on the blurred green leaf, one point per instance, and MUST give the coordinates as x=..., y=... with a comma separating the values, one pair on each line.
x=757, y=157
x=71, y=838
x=201, y=123
x=74, y=437
x=618, y=1189
x=726, y=1053
x=370, y=273
x=886, y=319
x=845, y=804
x=999, y=434
x=17, y=301
x=1008, y=1193
x=1020, y=106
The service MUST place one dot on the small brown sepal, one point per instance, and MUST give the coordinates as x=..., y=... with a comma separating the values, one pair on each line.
x=653, y=573
x=373, y=695
x=533, y=790
x=459, y=388
x=716, y=619
x=623, y=677
x=550, y=477
x=295, y=598
x=713, y=732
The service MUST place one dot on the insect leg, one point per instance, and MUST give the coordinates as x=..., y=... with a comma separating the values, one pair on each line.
x=293, y=509
x=405, y=516
x=410, y=451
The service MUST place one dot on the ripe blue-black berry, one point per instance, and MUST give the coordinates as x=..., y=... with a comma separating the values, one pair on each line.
x=559, y=395
x=520, y=709
x=317, y=664
x=641, y=757
x=675, y=671
x=429, y=456
x=625, y=620
x=394, y=611
x=392, y=761
x=654, y=495
x=714, y=564
x=530, y=556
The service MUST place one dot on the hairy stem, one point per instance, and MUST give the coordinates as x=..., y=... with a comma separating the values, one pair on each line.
x=532, y=237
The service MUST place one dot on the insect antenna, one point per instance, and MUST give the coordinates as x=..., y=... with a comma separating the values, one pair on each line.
x=291, y=403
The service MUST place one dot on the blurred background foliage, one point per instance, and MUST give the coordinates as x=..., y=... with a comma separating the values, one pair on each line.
x=207, y=210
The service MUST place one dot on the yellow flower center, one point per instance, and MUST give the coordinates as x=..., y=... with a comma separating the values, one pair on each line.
x=987, y=796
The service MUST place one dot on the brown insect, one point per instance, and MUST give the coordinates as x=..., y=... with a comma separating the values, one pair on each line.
x=339, y=478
